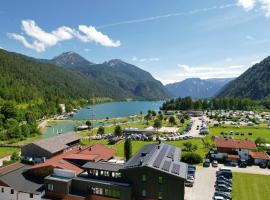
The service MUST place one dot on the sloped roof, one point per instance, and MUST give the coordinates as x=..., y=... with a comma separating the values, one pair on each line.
x=10, y=168
x=162, y=157
x=57, y=143
x=94, y=153
x=21, y=181
x=259, y=155
x=235, y=143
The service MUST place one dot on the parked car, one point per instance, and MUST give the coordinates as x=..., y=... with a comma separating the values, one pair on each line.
x=219, y=198
x=233, y=163
x=223, y=188
x=215, y=163
x=263, y=165
x=225, y=195
x=189, y=182
x=206, y=163
x=222, y=182
x=222, y=178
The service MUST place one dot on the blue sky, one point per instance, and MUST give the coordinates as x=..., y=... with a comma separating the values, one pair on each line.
x=172, y=39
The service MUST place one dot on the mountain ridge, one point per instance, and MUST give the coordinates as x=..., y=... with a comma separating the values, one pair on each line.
x=197, y=88
x=254, y=83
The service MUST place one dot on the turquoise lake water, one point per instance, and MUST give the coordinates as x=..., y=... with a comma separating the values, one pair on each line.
x=101, y=111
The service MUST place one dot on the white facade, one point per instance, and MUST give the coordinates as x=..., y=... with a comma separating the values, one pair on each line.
x=7, y=193
x=243, y=153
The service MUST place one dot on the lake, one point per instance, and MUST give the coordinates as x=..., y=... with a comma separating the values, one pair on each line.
x=101, y=111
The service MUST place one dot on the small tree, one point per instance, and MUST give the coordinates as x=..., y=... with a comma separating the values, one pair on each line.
x=157, y=124
x=182, y=120
x=128, y=149
x=189, y=147
x=15, y=157
x=101, y=130
x=88, y=123
x=118, y=131
x=191, y=158
x=172, y=120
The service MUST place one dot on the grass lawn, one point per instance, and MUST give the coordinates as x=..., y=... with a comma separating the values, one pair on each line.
x=136, y=145
x=5, y=151
x=256, y=132
x=251, y=187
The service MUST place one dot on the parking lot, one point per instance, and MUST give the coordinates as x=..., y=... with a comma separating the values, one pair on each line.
x=203, y=188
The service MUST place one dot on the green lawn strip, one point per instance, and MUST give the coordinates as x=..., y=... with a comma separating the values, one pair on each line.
x=256, y=132
x=6, y=151
x=251, y=187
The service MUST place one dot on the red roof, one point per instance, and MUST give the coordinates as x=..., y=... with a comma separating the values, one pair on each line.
x=10, y=168
x=259, y=155
x=96, y=152
x=235, y=143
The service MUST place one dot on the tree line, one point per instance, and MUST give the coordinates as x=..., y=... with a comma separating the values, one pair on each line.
x=226, y=103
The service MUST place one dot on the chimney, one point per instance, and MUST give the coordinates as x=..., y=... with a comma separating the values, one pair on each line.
x=141, y=161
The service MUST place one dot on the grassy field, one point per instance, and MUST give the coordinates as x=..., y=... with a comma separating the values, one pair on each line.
x=136, y=145
x=5, y=151
x=251, y=187
x=256, y=132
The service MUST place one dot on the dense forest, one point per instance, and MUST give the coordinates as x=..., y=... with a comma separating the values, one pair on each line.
x=122, y=79
x=14, y=124
x=254, y=83
x=226, y=103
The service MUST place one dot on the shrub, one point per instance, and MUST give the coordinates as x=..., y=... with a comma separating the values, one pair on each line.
x=191, y=158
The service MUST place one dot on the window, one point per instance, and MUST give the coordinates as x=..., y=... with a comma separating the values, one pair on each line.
x=143, y=193
x=31, y=196
x=160, y=179
x=160, y=195
x=50, y=187
x=143, y=177
x=2, y=190
x=11, y=191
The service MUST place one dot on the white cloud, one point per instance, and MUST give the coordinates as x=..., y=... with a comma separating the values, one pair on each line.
x=91, y=34
x=247, y=4
x=265, y=5
x=154, y=59
x=41, y=40
x=250, y=4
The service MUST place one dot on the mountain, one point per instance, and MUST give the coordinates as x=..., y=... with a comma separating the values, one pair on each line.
x=24, y=79
x=197, y=88
x=254, y=83
x=125, y=79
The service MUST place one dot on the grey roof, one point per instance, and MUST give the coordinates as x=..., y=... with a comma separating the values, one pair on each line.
x=23, y=182
x=103, y=166
x=103, y=182
x=162, y=157
x=57, y=143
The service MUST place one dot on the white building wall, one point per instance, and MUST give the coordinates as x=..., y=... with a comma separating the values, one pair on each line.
x=243, y=153
x=6, y=195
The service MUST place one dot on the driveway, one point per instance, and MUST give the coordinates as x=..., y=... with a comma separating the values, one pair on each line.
x=203, y=188
x=194, y=132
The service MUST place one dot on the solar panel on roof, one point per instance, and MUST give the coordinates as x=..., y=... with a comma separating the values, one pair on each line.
x=160, y=157
x=171, y=152
x=176, y=169
x=167, y=165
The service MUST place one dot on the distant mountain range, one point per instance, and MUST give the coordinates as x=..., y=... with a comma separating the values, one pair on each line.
x=197, y=88
x=70, y=76
x=124, y=79
x=254, y=83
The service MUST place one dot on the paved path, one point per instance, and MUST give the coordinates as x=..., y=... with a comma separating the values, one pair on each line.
x=203, y=188
x=194, y=132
